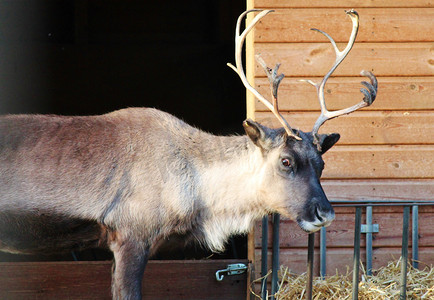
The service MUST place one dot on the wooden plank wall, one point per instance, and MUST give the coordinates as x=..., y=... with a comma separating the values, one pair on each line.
x=91, y=280
x=386, y=151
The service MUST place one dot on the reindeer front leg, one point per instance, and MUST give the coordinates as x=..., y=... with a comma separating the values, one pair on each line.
x=130, y=258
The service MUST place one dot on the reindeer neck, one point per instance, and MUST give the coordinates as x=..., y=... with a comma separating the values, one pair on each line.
x=228, y=168
x=230, y=174
x=229, y=185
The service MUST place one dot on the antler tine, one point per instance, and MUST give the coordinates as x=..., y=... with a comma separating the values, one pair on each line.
x=272, y=74
x=275, y=80
x=371, y=88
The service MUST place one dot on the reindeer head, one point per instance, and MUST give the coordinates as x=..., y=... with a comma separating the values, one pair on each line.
x=293, y=162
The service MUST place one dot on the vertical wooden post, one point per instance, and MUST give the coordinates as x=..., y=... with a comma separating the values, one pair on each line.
x=250, y=112
x=250, y=63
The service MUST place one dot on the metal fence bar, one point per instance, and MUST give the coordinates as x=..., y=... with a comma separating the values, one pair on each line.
x=401, y=202
x=323, y=252
x=264, y=257
x=404, y=253
x=310, y=253
x=369, y=240
x=275, y=256
x=415, y=236
x=381, y=204
x=356, y=256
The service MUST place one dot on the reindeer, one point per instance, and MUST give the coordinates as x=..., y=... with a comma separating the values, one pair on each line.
x=130, y=179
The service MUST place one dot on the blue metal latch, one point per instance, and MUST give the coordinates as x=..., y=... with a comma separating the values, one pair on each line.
x=232, y=269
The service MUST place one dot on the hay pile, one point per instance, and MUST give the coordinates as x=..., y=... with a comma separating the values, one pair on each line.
x=384, y=284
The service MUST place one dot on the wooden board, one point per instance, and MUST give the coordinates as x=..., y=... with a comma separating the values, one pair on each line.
x=394, y=93
x=379, y=189
x=315, y=59
x=346, y=162
x=341, y=4
x=340, y=259
x=364, y=127
x=91, y=280
x=376, y=25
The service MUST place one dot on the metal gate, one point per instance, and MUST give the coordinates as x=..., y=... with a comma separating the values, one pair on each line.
x=367, y=228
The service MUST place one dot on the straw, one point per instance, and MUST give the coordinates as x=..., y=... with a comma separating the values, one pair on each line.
x=383, y=284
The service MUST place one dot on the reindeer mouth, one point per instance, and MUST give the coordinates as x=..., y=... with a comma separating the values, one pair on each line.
x=321, y=219
x=307, y=226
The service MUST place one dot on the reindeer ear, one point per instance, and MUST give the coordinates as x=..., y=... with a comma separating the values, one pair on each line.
x=326, y=141
x=259, y=134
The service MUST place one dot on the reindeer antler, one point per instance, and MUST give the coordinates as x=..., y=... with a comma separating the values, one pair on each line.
x=271, y=73
x=371, y=88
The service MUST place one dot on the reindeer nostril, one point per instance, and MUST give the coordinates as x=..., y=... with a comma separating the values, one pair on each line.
x=317, y=214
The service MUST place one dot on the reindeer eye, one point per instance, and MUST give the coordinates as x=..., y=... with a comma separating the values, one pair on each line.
x=285, y=162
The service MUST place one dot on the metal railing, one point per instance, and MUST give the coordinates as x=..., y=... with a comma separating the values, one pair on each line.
x=368, y=228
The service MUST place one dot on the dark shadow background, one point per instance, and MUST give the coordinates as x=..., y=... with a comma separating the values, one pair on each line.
x=88, y=57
